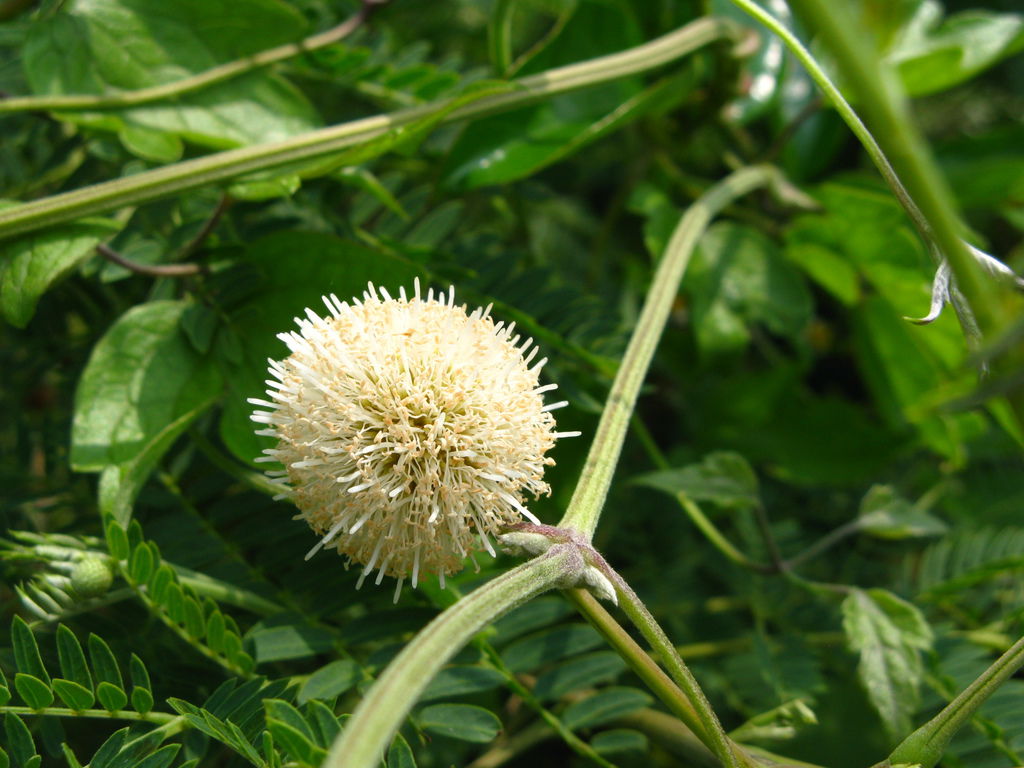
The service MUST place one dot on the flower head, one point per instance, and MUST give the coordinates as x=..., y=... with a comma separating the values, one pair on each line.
x=410, y=431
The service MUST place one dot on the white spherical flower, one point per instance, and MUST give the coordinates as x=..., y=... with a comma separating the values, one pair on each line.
x=410, y=431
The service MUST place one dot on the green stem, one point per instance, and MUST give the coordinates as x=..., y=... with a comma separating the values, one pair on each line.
x=212, y=76
x=727, y=751
x=846, y=112
x=389, y=700
x=223, y=166
x=588, y=499
x=927, y=743
x=886, y=111
x=160, y=718
x=824, y=544
x=639, y=660
x=551, y=720
x=718, y=539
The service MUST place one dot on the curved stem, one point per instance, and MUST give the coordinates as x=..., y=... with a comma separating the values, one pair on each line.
x=846, y=112
x=588, y=499
x=222, y=166
x=150, y=270
x=639, y=660
x=193, y=83
x=927, y=743
x=727, y=751
x=885, y=107
x=382, y=710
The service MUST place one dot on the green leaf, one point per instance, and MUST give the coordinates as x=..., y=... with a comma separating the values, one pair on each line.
x=295, y=270
x=886, y=515
x=583, y=672
x=73, y=694
x=33, y=691
x=828, y=269
x=901, y=370
x=26, y=652
x=149, y=144
x=117, y=540
x=722, y=477
x=512, y=146
x=5, y=761
x=400, y=753
x=162, y=758
x=737, y=279
x=141, y=564
x=550, y=646
x=604, y=706
x=287, y=641
x=104, y=665
x=112, y=697
x=30, y=265
x=162, y=579
x=19, y=741
x=931, y=54
x=461, y=680
x=291, y=731
x=460, y=721
x=107, y=754
x=619, y=740
x=500, y=149
x=142, y=689
x=889, y=634
x=77, y=50
x=530, y=616
x=215, y=632
x=143, y=385
x=323, y=720
x=5, y=692
x=330, y=681
x=195, y=622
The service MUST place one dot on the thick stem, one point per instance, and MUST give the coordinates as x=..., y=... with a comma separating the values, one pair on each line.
x=222, y=166
x=386, y=705
x=588, y=499
x=927, y=743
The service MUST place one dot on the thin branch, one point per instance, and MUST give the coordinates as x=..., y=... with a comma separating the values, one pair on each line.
x=823, y=544
x=207, y=229
x=151, y=270
x=197, y=82
x=185, y=175
x=779, y=565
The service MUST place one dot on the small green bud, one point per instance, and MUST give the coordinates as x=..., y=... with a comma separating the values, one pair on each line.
x=91, y=577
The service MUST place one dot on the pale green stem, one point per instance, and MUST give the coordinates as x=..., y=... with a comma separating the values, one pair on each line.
x=927, y=743
x=717, y=538
x=588, y=499
x=550, y=719
x=500, y=37
x=639, y=660
x=846, y=112
x=379, y=715
x=223, y=166
x=885, y=108
x=160, y=718
x=197, y=82
x=727, y=751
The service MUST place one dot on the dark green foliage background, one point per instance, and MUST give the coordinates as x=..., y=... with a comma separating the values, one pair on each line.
x=787, y=377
